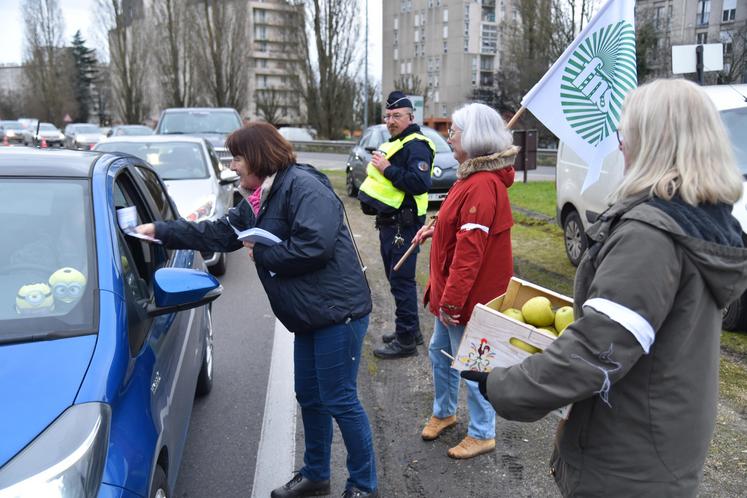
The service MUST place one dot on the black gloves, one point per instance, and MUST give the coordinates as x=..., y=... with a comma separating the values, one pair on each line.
x=480, y=377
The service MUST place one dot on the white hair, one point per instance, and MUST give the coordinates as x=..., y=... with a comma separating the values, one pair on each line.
x=483, y=130
x=676, y=144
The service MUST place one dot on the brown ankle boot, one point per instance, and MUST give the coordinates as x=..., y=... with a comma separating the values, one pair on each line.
x=436, y=426
x=470, y=447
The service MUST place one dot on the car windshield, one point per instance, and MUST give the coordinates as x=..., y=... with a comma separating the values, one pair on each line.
x=199, y=122
x=47, y=277
x=86, y=129
x=436, y=138
x=135, y=130
x=736, y=124
x=47, y=127
x=172, y=160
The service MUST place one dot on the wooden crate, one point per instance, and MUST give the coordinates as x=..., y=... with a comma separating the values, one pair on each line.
x=486, y=342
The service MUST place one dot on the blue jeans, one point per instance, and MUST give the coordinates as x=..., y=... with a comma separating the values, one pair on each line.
x=446, y=384
x=326, y=369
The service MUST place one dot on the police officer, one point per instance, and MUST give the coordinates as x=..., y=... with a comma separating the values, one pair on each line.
x=396, y=188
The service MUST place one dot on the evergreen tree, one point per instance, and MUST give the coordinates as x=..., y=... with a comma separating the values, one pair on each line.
x=85, y=73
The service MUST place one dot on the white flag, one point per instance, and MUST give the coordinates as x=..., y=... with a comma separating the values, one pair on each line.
x=580, y=98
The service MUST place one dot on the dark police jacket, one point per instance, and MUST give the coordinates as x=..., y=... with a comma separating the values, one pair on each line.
x=313, y=278
x=404, y=172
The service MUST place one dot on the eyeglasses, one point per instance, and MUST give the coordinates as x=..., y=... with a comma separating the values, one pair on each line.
x=619, y=138
x=396, y=116
x=453, y=132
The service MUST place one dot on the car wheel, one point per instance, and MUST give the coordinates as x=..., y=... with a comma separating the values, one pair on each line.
x=350, y=187
x=575, y=238
x=205, y=379
x=160, y=488
x=219, y=268
x=733, y=315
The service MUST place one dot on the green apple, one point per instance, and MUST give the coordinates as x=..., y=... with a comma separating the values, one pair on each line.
x=551, y=329
x=524, y=346
x=515, y=314
x=538, y=311
x=563, y=318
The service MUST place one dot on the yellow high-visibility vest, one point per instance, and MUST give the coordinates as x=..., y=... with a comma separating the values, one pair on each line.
x=377, y=186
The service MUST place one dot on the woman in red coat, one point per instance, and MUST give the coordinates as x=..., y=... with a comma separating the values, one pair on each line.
x=470, y=263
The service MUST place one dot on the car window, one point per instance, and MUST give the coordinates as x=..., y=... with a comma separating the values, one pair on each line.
x=365, y=139
x=157, y=192
x=214, y=160
x=47, y=127
x=736, y=124
x=47, y=262
x=172, y=160
x=199, y=122
x=86, y=129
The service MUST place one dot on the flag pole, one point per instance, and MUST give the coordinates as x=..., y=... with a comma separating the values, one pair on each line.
x=412, y=247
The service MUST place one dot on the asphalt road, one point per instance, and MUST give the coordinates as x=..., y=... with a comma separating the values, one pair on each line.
x=220, y=454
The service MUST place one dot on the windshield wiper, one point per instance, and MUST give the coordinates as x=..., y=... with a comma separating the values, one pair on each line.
x=174, y=133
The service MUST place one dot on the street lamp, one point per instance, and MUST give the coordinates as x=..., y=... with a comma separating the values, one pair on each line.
x=365, y=76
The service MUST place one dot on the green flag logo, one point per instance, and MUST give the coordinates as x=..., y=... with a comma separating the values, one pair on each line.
x=598, y=75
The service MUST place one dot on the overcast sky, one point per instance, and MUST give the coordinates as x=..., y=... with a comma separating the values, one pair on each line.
x=79, y=16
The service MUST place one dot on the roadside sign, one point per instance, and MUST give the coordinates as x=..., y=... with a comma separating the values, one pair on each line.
x=684, y=58
x=417, y=103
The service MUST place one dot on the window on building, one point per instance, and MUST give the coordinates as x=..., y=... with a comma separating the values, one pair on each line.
x=417, y=20
x=701, y=38
x=260, y=15
x=659, y=19
x=396, y=53
x=489, y=39
x=417, y=35
x=262, y=45
x=409, y=67
x=726, y=42
x=396, y=23
x=446, y=46
x=446, y=14
x=703, y=12
x=446, y=31
x=729, y=10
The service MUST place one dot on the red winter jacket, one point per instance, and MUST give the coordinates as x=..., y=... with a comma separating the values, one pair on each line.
x=471, y=260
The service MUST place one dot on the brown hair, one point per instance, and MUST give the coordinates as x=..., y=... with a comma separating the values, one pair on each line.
x=265, y=150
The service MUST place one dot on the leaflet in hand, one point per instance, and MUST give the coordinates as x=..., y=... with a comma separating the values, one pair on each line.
x=127, y=219
x=257, y=235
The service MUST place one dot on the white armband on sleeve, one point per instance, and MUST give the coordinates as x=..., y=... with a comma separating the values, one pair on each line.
x=475, y=226
x=627, y=318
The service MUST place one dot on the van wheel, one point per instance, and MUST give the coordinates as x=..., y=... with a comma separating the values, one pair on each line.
x=575, y=238
x=205, y=378
x=733, y=315
x=350, y=187
x=160, y=485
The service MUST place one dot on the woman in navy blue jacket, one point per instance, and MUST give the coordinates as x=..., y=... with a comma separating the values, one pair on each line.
x=316, y=288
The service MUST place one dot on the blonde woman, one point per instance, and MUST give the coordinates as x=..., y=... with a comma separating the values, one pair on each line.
x=640, y=363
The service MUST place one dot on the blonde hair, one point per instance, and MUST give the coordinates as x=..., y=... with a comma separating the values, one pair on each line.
x=675, y=143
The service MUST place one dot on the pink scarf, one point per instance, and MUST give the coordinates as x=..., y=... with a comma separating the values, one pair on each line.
x=254, y=200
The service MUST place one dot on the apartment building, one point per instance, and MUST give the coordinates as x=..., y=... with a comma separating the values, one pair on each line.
x=450, y=46
x=688, y=22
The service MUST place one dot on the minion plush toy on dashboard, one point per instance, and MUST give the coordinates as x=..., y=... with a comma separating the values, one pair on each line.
x=34, y=299
x=67, y=286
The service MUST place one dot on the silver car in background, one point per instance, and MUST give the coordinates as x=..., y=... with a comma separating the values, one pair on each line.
x=82, y=136
x=200, y=187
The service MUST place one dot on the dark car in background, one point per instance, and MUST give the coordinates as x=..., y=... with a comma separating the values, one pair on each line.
x=444, y=164
x=12, y=131
x=52, y=135
x=211, y=123
x=82, y=136
x=129, y=130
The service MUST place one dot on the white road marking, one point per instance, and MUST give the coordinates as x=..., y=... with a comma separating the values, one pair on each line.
x=276, y=455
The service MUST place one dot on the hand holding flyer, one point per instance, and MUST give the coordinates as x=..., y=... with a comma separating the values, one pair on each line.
x=127, y=219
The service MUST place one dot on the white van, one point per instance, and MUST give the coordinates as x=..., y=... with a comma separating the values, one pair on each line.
x=576, y=211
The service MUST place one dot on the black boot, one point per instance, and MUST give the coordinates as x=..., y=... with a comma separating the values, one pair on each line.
x=357, y=493
x=299, y=486
x=396, y=349
x=387, y=338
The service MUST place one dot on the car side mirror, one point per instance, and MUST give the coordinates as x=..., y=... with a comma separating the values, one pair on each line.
x=110, y=133
x=228, y=176
x=179, y=289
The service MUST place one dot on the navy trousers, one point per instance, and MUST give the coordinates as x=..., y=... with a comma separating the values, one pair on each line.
x=402, y=281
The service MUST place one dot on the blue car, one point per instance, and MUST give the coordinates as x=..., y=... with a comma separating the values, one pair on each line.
x=104, y=338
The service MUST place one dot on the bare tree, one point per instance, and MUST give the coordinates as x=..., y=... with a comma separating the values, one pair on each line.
x=174, y=50
x=47, y=67
x=326, y=83
x=223, y=51
x=411, y=84
x=128, y=52
x=270, y=103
